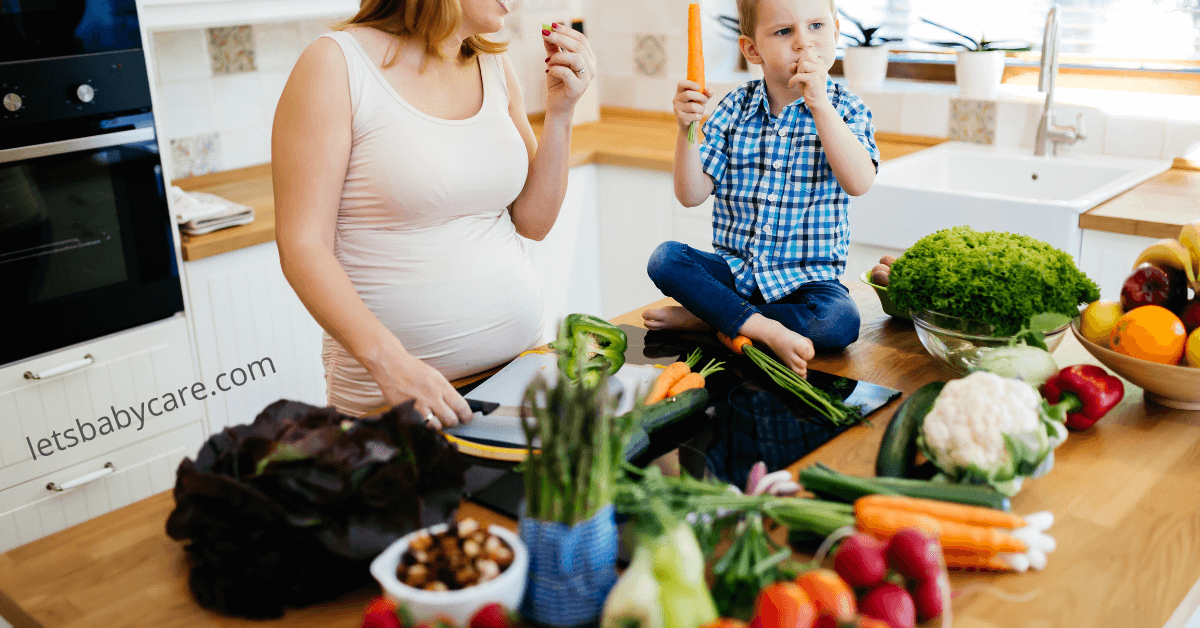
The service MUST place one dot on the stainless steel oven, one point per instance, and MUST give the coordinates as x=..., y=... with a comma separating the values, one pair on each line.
x=86, y=242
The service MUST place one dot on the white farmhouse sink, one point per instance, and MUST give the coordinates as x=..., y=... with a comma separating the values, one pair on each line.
x=990, y=189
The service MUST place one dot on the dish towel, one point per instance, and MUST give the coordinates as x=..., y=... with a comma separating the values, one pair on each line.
x=201, y=212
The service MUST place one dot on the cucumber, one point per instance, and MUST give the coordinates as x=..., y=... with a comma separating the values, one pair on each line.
x=658, y=415
x=898, y=451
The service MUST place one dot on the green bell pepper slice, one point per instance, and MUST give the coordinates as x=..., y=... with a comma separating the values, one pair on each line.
x=588, y=346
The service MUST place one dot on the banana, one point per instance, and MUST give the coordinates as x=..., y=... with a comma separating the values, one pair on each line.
x=1189, y=237
x=1170, y=253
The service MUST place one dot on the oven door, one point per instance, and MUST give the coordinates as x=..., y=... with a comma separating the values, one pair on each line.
x=44, y=29
x=86, y=246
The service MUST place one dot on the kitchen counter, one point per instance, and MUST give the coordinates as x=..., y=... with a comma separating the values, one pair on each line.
x=640, y=139
x=1127, y=521
x=623, y=138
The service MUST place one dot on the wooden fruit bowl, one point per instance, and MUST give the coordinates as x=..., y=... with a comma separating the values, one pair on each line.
x=1165, y=384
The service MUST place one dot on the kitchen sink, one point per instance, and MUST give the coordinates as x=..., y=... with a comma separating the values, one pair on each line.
x=990, y=189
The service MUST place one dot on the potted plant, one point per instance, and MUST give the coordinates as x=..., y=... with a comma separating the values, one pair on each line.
x=866, y=58
x=980, y=64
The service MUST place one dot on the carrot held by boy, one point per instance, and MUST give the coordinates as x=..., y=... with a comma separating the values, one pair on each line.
x=695, y=66
x=782, y=196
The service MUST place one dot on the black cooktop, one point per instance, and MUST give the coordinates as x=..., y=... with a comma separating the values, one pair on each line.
x=748, y=419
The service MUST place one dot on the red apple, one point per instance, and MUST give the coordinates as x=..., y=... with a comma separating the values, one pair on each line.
x=1153, y=285
x=1191, y=314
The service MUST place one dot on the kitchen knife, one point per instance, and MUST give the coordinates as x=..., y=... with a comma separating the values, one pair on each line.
x=486, y=407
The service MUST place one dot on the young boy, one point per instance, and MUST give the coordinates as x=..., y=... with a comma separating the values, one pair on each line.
x=782, y=154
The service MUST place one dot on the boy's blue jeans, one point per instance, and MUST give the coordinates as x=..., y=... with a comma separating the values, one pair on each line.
x=821, y=311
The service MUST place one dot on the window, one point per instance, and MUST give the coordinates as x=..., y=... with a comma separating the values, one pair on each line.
x=1128, y=34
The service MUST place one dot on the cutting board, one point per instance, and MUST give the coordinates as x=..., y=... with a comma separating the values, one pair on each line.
x=507, y=388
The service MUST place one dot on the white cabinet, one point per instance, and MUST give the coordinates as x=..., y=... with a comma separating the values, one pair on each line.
x=1107, y=259
x=118, y=409
x=567, y=260
x=254, y=338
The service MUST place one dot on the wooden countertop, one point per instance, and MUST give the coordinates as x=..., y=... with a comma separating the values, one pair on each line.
x=638, y=139
x=622, y=138
x=1127, y=522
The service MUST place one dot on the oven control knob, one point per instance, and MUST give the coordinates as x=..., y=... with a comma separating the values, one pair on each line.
x=85, y=93
x=12, y=102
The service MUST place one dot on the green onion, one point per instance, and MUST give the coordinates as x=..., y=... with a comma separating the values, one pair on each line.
x=824, y=404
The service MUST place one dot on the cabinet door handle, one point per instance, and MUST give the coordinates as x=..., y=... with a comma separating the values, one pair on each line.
x=87, y=360
x=83, y=479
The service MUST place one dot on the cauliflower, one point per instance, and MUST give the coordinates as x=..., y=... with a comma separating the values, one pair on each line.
x=987, y=429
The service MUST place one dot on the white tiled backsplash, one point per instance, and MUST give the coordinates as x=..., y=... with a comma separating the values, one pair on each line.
x=217, y=91
x=217, y=88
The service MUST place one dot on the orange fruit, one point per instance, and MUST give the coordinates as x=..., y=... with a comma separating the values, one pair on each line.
x=1193, y=349
x=1097, y=320
x=1150, y=332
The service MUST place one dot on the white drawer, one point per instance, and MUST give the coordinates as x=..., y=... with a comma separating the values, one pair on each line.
x=30, y=511
x=133, y=368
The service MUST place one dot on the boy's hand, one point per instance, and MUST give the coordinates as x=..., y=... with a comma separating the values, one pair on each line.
x=689, y=103
x=813, y=74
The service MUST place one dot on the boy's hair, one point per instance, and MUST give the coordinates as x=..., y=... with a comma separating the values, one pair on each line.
x=430, y=21
x=748, y=15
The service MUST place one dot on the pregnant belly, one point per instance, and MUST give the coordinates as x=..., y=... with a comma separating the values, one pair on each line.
x=463, y=301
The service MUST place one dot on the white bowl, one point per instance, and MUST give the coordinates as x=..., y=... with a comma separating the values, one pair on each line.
x=508, y=588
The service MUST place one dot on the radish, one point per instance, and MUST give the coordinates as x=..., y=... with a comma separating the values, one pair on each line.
x=891, y=603
x=861, y=561
x=927, y=596
x=915, y=555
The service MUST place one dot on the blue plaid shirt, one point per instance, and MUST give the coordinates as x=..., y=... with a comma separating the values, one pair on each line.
x=780, y=217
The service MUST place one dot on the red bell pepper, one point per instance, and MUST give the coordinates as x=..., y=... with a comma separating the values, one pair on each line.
x=1086, y=392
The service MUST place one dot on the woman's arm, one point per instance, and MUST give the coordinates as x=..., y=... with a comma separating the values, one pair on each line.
x=310, y=152
x=536, y=208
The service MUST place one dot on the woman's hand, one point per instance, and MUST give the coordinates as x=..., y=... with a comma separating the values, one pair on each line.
x=410, y=378
x=571, y=66
x=689, y=103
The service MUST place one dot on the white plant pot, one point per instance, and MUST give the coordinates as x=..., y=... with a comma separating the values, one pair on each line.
x=865, y=67
x=978, y=74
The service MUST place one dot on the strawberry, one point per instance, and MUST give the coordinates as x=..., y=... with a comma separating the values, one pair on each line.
x=381, y=613
x=493, y=615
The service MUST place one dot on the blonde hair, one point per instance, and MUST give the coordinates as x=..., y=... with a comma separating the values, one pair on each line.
x=430, y=21
x=748, y=15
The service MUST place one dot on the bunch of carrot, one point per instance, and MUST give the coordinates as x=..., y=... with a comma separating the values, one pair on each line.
x=829, y=406
x=679, y=377
x=695, y=63
x=973, y=538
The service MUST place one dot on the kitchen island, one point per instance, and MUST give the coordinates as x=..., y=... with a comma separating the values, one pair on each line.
x=1124, y=495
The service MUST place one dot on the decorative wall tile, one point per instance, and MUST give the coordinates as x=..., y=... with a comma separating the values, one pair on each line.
x=231, y=49
x=973, y=120
x=191, y=156
x=650, y=54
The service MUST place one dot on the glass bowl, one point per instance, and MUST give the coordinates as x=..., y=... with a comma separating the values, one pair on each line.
x=957, y=341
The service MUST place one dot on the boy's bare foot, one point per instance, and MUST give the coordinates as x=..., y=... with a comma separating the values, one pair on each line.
x=791, y=348
x=673, y=317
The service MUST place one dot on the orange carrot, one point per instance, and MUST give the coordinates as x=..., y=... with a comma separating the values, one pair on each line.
x=695, y=380
x=671, y=376
x=952, y=535
x=947, y=511
x=695, y=62
x=975, y=562
x=735, y=344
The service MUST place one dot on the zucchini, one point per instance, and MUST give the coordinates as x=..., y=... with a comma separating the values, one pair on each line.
x=898, y=451
x=659, y=415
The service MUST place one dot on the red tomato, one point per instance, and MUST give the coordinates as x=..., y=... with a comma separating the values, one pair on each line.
x=784, y=605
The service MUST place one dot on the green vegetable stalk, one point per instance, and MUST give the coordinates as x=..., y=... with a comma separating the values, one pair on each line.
x=991, y=277
x=750, y=563
x=588, y=346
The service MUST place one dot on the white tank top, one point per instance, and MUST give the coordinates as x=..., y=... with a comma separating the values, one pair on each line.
x=424, y=233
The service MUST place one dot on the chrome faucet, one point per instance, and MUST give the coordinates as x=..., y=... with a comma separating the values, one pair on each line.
x=1050, y=135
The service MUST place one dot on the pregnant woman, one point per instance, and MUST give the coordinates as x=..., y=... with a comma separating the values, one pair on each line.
x=405, y=169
